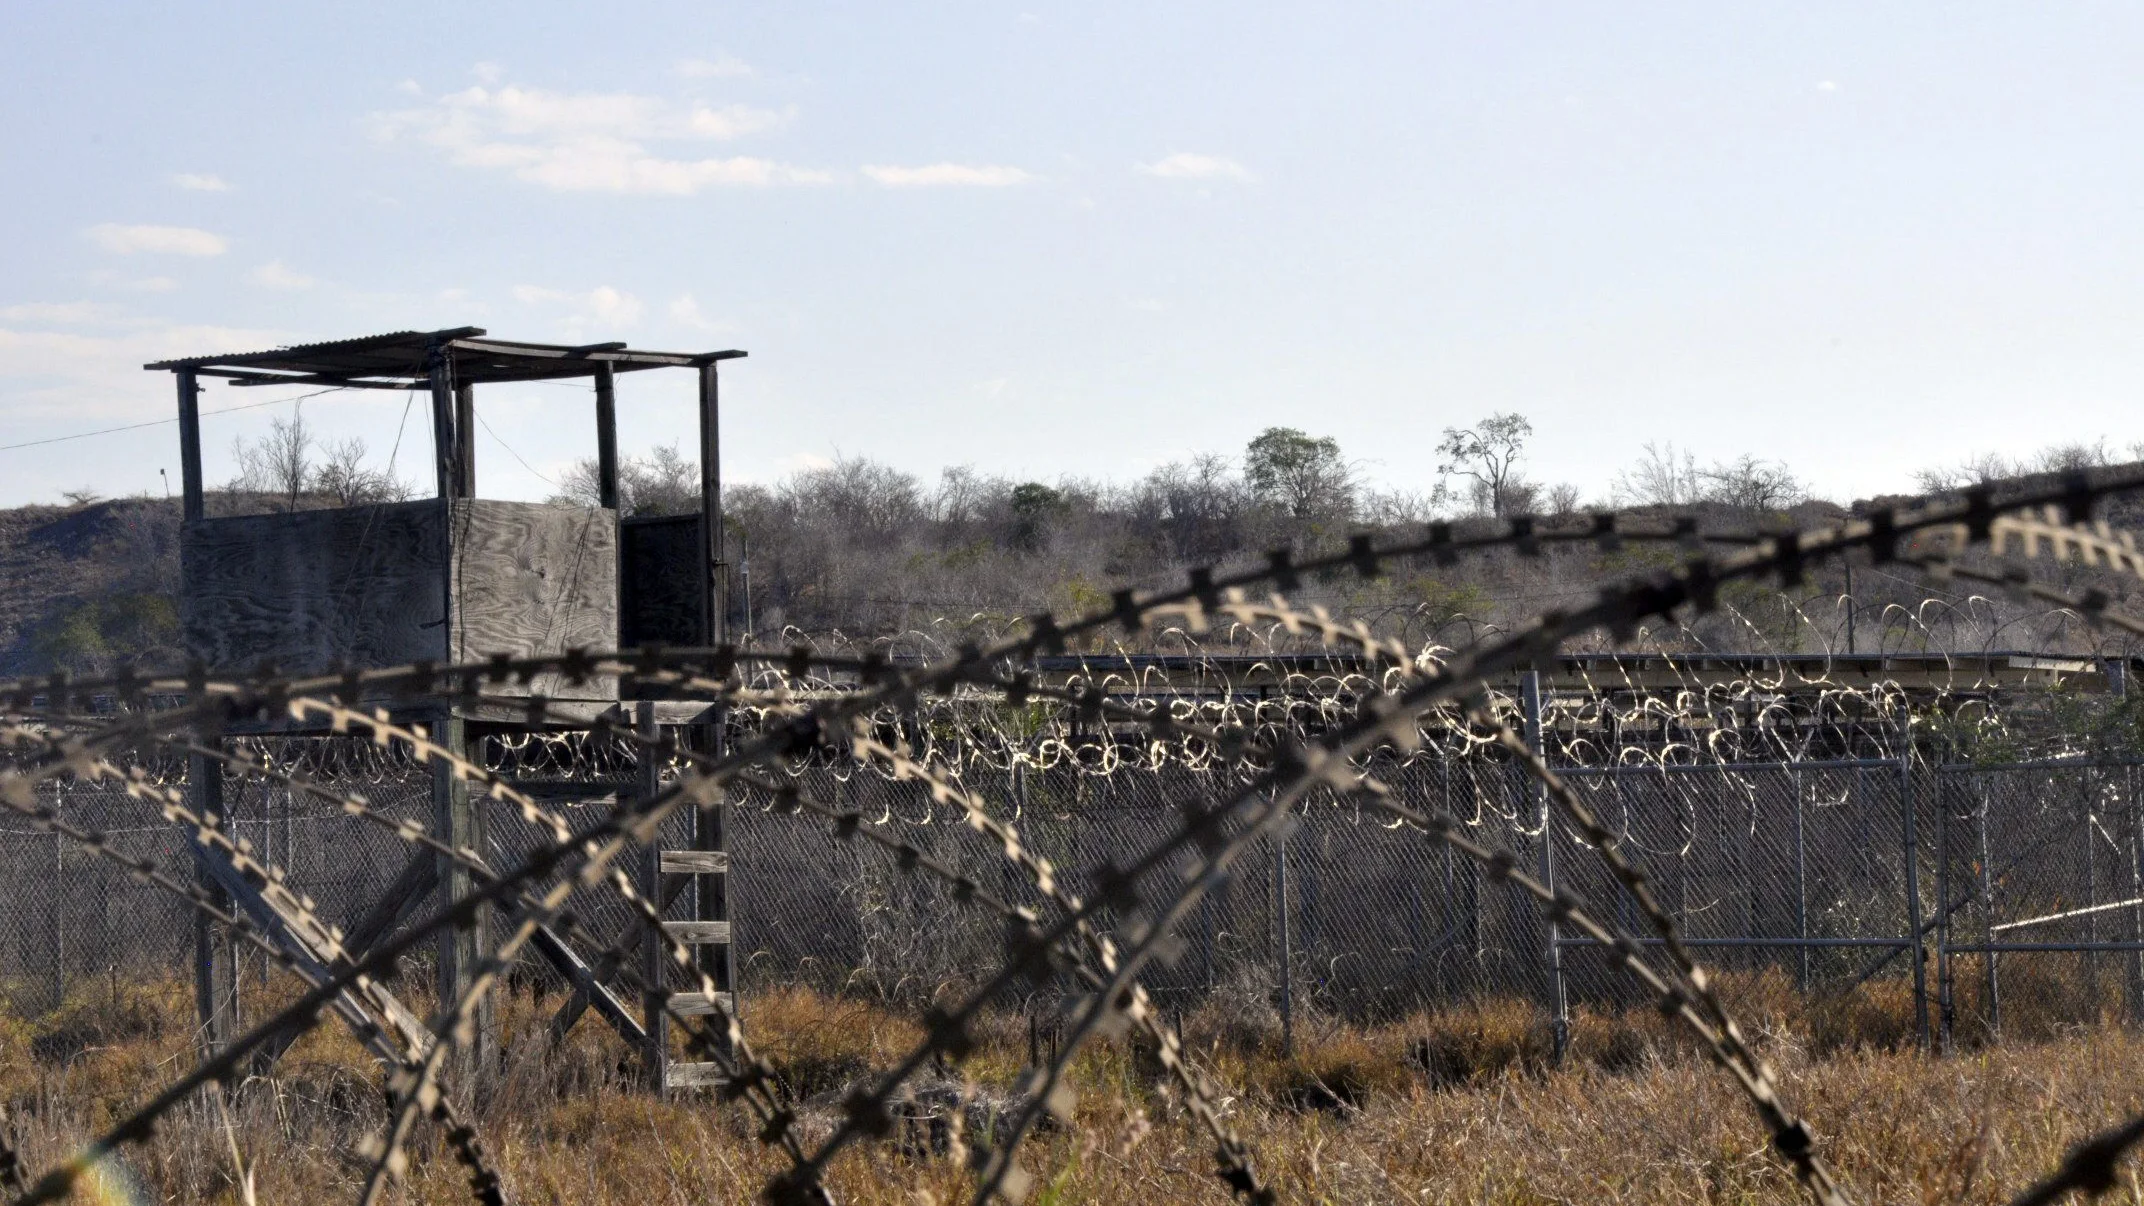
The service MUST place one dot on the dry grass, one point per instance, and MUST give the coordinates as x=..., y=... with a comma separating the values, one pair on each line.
x=1462, y=1105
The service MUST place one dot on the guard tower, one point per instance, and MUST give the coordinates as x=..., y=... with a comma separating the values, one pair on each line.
x=457, y=578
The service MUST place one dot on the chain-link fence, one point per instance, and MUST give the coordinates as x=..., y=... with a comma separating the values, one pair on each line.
x=2005, y=899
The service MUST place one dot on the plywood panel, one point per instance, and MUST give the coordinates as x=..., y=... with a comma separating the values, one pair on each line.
x=535, y=578
x=364, y=585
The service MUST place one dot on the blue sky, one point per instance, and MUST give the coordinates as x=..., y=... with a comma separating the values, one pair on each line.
x=1092, y=239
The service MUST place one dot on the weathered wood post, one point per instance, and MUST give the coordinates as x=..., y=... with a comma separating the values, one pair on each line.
x=189, y=445
x=606, y=436
x=216, y=1000
x=459, y=822
x=710, y=825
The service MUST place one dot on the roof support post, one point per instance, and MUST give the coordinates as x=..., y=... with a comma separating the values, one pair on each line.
x=190, y=444
x=464, y=440
x=443, y=458
x=715, y=599
x=606, y=436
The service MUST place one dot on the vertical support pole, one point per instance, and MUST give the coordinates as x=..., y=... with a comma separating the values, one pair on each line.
x=1946, y=1000
x=441, y=370
x=2091, y=881
x=1848, y=561
x=711, y=893
x=2135, y=980
x=215, y=964
x=459, y=823
x=1987, y=917
x=606, y=436
x=1287, y=945
x=1913, y=898
x=1801, y=879
x=464, y=440
x=189, y=445
x=653, y=994
x=716, y=597
x=1559, y=1010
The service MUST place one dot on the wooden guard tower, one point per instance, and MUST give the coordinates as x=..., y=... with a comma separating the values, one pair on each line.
x=450, y=579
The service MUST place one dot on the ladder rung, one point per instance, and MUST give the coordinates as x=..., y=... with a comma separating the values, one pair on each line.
x=695, y=862
x=692, y=1076
x=698, y=933
x=696, y=1004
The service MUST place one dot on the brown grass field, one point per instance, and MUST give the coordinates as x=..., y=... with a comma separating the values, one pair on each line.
x=1455, y=1107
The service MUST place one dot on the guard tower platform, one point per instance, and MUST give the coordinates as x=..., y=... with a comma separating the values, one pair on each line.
x=455, y=577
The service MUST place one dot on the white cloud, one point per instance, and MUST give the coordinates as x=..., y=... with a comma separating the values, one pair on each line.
x=594, y=141
x=167, y=240
x=600, y=307
x=77, y=376
x=201, y=182
x=275, y=274
x=1186, y=166
x=62, y=313
x=685, y=312
x=726, y=67
x=944, y=174
x=150, y=284
x=487, y=72
x=1151, y=305
x=1827, y=86
x=736, y=121
x=803, y=462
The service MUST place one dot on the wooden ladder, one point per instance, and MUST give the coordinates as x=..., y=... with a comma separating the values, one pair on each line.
x=698, y=876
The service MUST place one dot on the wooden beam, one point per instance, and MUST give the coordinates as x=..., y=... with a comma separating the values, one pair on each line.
x=655, y=1050
x=239, y=377
x=216, y=999
x=607, y=436
x=443, y=454
x=190, y=444
x=586, y=988
x=607, y=966
x=459, y=823
x=711, y=880
x=464, y=440
x=402, y=897
x=714, y=611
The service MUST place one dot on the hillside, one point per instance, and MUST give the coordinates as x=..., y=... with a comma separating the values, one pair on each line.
x=861, y=551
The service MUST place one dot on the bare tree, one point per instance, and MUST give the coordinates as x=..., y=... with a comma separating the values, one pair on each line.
x=343, y=477
x=1488, y=453
x=661, y=483
x=278, y=463
x=1564, y=499
x=1661, y=478
x=1753, y=484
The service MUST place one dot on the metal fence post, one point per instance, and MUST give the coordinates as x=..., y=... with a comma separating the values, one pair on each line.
x=1558, y=1002
x=2134, y=985
x=1946, y=1002
x=1801, y=882
x=1913, y=898
x=1987, y=917
x=1287, y=952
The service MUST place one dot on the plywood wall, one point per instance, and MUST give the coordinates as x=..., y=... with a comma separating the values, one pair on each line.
x=370, y=586
x=363, y=585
